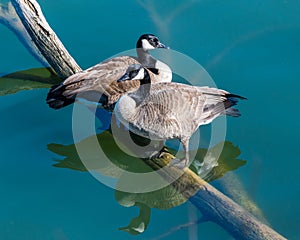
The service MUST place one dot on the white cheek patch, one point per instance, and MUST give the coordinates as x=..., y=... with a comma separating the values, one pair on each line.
x=140, y=75
x=146, y=45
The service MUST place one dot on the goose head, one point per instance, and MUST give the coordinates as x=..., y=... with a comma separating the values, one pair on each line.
x=148, y=42
x=136, y=72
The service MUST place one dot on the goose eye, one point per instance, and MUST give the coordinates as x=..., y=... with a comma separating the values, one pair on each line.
x=155, y=41
x=134, y=73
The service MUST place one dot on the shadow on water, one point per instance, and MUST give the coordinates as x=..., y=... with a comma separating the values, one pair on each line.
x=163, y=198
x=27, y=80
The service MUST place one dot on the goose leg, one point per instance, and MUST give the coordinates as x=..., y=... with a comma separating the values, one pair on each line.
x=182, y=163
x=186, y=150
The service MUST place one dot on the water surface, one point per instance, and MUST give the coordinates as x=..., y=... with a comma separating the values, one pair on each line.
x=250, y=48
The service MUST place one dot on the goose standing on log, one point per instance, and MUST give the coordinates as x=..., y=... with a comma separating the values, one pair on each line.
x=99, y=83
x=163, y=111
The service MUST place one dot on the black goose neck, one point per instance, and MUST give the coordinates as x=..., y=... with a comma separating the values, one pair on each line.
x=144, y=89
x=146, y=80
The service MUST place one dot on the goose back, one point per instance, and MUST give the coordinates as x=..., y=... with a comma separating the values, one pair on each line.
x=172, y=110
x=100, y=80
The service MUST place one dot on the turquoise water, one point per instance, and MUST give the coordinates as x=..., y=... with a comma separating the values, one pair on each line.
x=250, y=48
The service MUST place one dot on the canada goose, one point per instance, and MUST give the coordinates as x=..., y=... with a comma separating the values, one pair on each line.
x=101, y=79
x=171, y=110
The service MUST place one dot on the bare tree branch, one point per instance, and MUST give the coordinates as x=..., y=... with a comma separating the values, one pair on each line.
x=45, y=38
x=10, y=19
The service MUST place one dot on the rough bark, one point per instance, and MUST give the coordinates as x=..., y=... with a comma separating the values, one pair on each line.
x=9, y=18
x=214, y=205
x=45, y=38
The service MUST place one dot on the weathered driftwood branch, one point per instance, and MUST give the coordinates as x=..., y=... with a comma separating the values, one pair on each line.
x=45, y=38
x=213, y=204
x=9, y=18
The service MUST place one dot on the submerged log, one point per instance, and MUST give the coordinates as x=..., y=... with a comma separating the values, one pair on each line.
x=214, y=205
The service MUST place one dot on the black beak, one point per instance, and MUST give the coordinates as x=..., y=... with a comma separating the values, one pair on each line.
x=161, y=45
x=124, y=78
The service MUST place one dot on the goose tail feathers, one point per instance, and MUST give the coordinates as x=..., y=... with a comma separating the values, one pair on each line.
x=55, y=98
x=232, y=100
